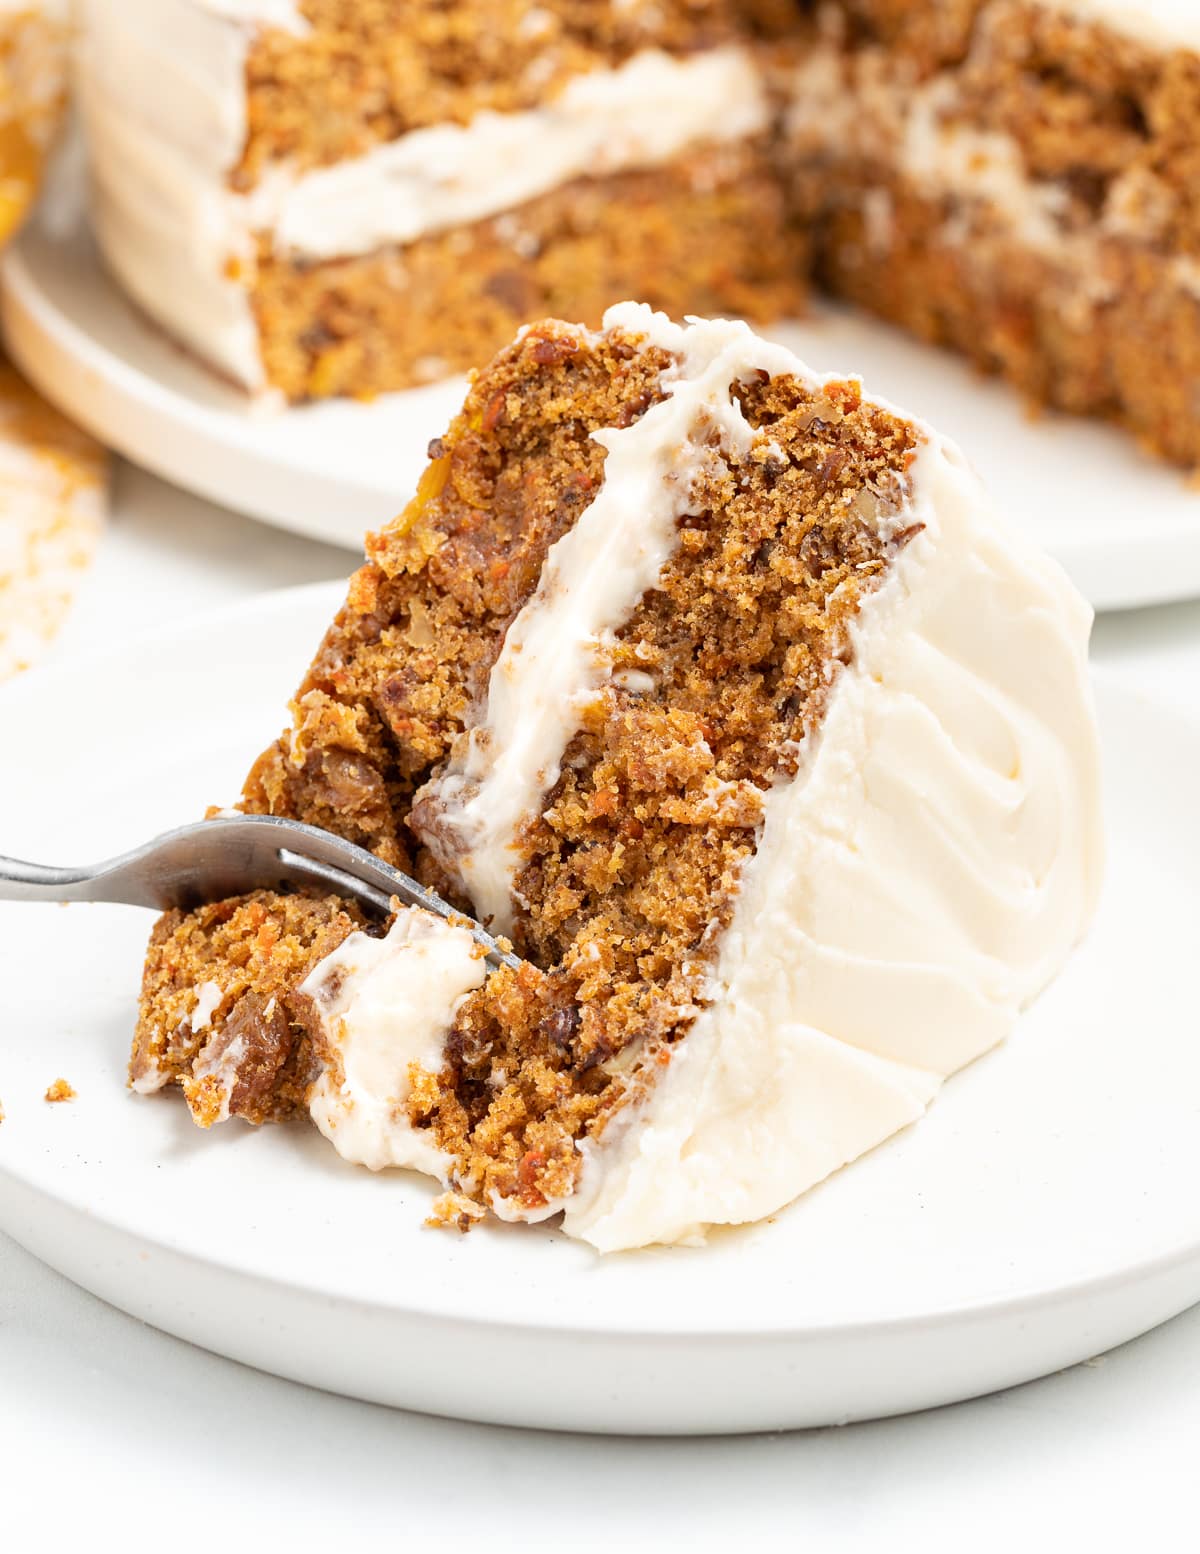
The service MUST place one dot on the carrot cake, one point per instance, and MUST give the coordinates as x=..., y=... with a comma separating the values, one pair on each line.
x=715, y=687
x=322, y=197
x=33, y=71
x=53, y=503
x=333, y=197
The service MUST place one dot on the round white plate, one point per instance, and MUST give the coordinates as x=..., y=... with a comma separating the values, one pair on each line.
x=1045, y=1210
x=1125, y=527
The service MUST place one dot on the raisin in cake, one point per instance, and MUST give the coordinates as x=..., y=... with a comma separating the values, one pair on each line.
x=717, y=688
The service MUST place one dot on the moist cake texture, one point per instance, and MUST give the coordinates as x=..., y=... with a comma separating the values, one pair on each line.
x=323, y=198
x=713, y=686
x=330, y=198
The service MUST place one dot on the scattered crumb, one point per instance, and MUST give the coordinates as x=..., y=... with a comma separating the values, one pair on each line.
x=1, y=1111
x=60, y=1090
x=454, y=1212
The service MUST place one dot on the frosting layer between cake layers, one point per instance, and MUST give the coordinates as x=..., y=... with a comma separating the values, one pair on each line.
x=162, y=85
x=915, y=885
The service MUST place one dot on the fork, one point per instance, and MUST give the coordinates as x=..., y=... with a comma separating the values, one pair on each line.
x=228, y=856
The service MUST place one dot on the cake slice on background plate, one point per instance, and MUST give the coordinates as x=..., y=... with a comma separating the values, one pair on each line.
x=716, y=687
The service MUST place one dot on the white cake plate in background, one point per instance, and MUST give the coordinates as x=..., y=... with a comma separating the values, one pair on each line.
x=1045, y=1209
x=1126, y=527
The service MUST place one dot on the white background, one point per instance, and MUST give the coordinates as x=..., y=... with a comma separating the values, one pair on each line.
x=116, y=1434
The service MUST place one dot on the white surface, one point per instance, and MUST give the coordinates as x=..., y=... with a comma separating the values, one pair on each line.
x=1103, y=1453
x=1126, y=528
x=1002, y=1238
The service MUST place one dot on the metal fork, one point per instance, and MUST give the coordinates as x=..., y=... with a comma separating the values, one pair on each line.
x=228, y=856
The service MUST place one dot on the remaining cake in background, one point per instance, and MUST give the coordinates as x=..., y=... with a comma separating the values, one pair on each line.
x=716, y=687
x=33, y=70
x=53, y=499
x=328, y=199
x=1018, y=179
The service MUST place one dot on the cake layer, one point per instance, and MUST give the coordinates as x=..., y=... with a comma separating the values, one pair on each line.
x=1127, y=350
x=917, y=883
x=356, y=75
x=705, y=234
x=220, y=1008
x=558, y=654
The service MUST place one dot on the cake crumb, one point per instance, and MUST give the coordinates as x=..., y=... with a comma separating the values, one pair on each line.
x=452, y=1211
x=60, y=1090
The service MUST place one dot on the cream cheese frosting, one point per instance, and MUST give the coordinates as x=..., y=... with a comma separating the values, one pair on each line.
x=916, y=884
x=385, y=1005
x=162, y=89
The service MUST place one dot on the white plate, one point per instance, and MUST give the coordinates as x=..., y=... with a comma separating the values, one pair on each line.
x=1124, y=526
x=1045, y=1210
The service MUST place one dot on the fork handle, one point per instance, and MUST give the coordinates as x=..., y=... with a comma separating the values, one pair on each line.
x=21, y=881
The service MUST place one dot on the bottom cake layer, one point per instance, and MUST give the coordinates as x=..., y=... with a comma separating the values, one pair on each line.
x=705, y=235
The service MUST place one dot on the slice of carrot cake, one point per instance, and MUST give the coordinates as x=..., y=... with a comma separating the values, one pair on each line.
x=717, y=688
